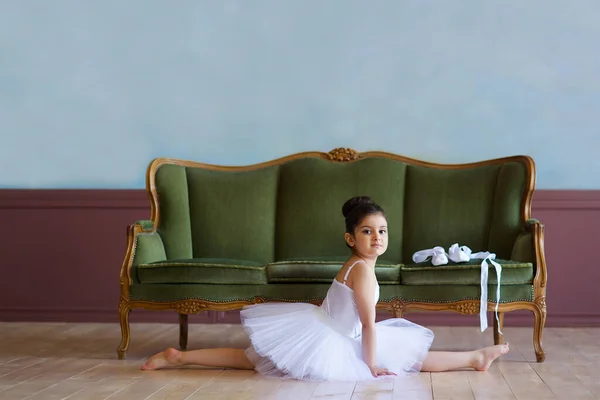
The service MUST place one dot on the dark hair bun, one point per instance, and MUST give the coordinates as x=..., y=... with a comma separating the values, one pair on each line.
x=357, y=208
x=355, y=202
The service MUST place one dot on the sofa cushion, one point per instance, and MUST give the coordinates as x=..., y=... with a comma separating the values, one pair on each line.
x=310, y=197
x=203, y=270
x=448, y=293
x=315, y=292
x=232, y=213
x=467, y=273
x=444, y=206
x=174, y=211
x=324, y=270
x=507, y=219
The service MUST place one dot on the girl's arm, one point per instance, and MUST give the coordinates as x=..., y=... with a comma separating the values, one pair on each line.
x=364, y=294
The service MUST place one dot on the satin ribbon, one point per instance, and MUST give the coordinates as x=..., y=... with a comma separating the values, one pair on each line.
x=484, y=287
x=462, y=254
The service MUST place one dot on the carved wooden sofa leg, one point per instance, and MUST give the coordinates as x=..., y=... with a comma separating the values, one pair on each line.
x=498, y=327
x=183, y=331
x=124, y=310
x=539, y=313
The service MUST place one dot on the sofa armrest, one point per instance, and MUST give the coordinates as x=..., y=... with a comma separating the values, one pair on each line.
x=529, y=247
x=144, y=245
x=523, y=249
x=148, y=247
x=145, y=224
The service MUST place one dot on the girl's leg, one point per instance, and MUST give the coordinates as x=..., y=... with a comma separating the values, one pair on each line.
x=438, y=361
x=221, y=358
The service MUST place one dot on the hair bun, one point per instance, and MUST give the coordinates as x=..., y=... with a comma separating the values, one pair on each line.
x=355, y=202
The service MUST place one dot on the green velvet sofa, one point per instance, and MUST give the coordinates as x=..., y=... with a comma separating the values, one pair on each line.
x=223, y=237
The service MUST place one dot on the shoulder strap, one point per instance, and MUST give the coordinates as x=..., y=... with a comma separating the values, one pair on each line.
x=350, y=268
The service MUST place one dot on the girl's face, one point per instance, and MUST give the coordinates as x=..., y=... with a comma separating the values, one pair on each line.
x=370, y=237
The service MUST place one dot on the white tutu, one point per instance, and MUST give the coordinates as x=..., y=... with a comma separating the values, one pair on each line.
x=303, y=341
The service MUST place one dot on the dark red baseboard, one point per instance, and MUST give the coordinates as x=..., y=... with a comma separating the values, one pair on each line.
x=61, y=250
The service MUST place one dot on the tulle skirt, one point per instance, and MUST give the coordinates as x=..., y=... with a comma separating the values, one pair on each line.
x=300, y=341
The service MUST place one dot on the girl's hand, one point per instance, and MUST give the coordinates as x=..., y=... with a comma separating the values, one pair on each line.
x=376, y=371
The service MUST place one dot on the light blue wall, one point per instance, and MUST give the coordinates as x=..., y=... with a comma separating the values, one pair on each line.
x=90, y=91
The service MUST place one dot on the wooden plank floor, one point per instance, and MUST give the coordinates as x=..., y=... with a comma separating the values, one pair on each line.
x=78, y=361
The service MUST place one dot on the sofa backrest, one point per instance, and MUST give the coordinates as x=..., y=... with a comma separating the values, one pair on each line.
x=310, y=198
x=291, y=207
x=479, y=206
x=206, y=213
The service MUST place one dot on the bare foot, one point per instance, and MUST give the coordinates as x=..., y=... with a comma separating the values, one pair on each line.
x=168, y=358
x=484, y=357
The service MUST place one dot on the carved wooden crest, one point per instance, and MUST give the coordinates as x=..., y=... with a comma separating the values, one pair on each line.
x=343, y=154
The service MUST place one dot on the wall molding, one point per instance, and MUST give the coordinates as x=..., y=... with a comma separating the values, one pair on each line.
x=138, y=199
x=73, y=199
x=566, y=200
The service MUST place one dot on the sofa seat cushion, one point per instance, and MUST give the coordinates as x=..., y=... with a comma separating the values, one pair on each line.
x=203, y=270
x=449, y=293
x=466, y=273
x=315, y=292
x=324, y=270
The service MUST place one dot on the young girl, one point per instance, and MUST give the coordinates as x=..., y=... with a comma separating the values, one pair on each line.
x=340, y=339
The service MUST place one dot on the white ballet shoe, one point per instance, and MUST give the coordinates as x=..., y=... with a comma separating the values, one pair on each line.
x=422, y=255
x=437, y=254
x=459, y=254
